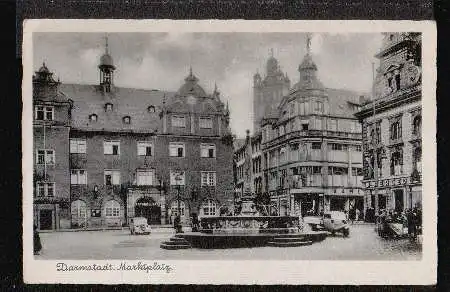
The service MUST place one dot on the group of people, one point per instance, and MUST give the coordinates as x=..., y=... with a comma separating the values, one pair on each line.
x=409, y=219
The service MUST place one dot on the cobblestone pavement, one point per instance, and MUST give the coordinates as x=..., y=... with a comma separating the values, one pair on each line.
x=363, y=244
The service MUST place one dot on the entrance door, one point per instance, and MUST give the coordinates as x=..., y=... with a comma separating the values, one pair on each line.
x=45, y=219
x=399, y=201
x=382, y=202
x=146, y=207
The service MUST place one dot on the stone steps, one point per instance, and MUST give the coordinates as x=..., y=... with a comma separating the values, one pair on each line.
x=175, y=243
x=288, y=239
x=288, y=243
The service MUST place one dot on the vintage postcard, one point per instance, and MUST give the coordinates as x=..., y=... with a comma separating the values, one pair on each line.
x=229, y=152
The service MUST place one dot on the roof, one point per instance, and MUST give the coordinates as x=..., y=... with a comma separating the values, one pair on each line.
x=89, y=99
x=342, y=102
x=238, y=143
x=106, y=60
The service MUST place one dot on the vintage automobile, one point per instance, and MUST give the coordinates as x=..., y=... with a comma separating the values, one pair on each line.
x=332, y=221
x=314, y=222
x=336, y=221
x=138, y=225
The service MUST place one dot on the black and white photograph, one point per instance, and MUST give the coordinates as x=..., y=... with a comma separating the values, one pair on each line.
x=154, y=146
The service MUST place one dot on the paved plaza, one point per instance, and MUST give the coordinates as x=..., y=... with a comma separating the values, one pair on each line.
x=363, y=244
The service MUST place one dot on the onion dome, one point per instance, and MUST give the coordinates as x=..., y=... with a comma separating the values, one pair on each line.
x=191, y=86
x=44, y=69
x=106, y=60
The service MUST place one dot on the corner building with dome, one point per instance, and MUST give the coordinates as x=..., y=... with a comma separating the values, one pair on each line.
x=311, y=145
x=104, y=154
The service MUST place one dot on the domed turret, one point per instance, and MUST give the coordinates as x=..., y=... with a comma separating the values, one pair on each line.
x=308, y=71
x=191, y=87
x=272, y=65
x=107, y=68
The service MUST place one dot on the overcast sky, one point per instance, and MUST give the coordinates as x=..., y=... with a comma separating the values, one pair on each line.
x=162, y=60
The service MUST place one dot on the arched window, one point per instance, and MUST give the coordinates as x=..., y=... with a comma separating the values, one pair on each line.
x=417, y=125
x=112, y=209
x=174, y=208
x=417, y=159
x=78, y=212
x=209, y=208
x=396, y=162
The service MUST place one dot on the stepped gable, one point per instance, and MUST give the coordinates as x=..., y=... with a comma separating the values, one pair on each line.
x=89, y=99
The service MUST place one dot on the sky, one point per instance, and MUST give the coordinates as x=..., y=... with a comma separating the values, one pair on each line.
x=162, y=61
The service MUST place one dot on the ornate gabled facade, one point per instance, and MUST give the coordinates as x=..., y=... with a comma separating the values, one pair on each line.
x=391, y=127
x=268, y=91
x=105, y=154
x=311, y=148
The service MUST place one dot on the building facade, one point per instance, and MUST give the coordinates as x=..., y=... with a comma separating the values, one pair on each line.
x=248, y=166
x=391, y=126
x=105, y=154
x=311, y=148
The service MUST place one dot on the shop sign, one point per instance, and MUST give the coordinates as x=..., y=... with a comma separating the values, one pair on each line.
x=388, y=182
x=145, y=204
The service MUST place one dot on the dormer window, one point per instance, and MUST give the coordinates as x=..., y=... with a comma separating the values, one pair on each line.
x=151, y=109
x=108, y=107
x=127, y=120
x=93, y=118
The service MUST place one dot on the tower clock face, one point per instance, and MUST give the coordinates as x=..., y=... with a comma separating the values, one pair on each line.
x=191, y=99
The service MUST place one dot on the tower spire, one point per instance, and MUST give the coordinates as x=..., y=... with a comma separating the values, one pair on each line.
x=106, y=44
x=308, y=43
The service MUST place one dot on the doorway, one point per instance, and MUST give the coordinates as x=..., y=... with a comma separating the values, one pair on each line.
x=146, y=207
x=399, y=200
x=46, y=219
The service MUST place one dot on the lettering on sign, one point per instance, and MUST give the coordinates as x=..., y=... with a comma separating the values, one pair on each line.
x=390, y=182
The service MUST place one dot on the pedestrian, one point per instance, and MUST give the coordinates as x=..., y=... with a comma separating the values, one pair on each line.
x=176, y=223
x=357, y=213
x=37, y=246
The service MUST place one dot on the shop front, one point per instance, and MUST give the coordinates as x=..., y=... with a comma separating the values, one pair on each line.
x=393, y=194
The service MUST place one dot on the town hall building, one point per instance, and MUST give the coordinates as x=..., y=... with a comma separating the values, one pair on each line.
x=105, y=154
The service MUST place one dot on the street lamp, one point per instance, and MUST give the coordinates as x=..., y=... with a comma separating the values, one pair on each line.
x=178, y=179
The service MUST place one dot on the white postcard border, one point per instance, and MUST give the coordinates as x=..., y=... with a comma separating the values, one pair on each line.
x=244, y=272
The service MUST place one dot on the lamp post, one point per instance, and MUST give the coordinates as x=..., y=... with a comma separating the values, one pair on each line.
x=178, y=179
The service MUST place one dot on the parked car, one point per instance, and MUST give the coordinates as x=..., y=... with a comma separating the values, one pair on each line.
x=314, y=222
x=336, y=221
x=139, y=225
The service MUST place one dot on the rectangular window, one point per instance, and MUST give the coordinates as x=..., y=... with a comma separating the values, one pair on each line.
x=357, y=148
x=205, y=123
x=145, y=148
x=316, y=145
x=45, y=156
x=208, y=150
x=337, y=147
x=176, y=149
x=112, y=177
x=208, y=178
x=78, y=177
x=77, y=146
x=144, y=177
x=111, y=147
x=301, y=108
x=178, y=121
x=177, y=178
x=44, y=113
x=45, y=189
x=332, y=125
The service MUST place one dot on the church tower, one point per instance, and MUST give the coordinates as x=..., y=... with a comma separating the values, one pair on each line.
x=106, y=68
x=268, y=92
